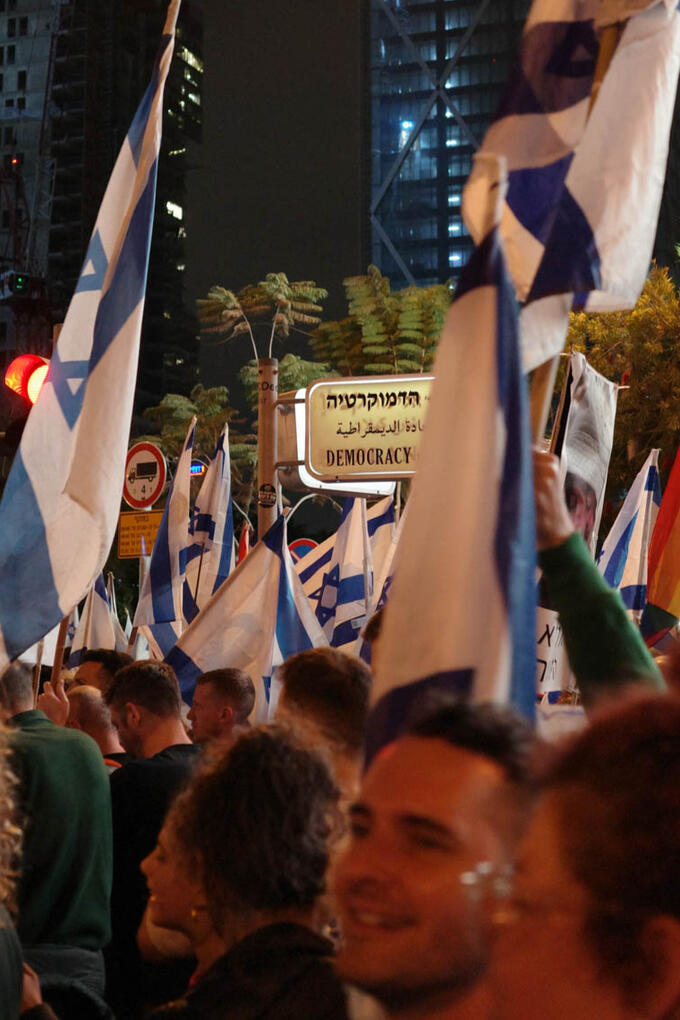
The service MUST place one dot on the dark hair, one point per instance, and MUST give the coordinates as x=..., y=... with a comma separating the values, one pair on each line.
x=332, y=689
x=373, y=628
x=108, y=659
x=151, y=685
x=493, y=731
x=236, y=686
x=16, y=686
x=258, y=819
x=617, y=787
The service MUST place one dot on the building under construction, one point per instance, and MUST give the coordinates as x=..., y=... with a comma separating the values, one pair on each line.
x=72, y=75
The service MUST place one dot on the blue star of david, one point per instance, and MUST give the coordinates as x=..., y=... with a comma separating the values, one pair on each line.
x=59, y=375
x=96, y=257
x=324, y=612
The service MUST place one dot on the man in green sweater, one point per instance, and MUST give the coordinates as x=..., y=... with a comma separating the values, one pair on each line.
x=65, y=804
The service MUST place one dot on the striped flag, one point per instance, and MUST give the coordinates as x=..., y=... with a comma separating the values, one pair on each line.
x=347, y=584
x=161, y=595
x=210, y=552
x=663, y=572
x=59, y=509
x=95, y=629
x=585, y=184
x=461, y=612
x=312, y=566
x=258, y=616
x=623, y=558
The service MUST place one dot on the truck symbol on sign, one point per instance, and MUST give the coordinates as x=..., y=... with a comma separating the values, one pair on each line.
x=146, y=469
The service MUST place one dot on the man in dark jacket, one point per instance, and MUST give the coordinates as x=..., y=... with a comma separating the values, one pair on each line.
x=144, y=701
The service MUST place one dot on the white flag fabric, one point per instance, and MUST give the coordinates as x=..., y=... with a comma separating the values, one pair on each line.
x=585, y=183
x=161, y=595
x=461, y=611
x=60, y=505
x=118, y=630
x=258, y=615
x=312, y=566
x=210, y=552
x=95, y=629
x=623, y=558
x=347, y=585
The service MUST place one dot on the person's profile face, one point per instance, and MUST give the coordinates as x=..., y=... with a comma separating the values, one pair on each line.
x=581, y=504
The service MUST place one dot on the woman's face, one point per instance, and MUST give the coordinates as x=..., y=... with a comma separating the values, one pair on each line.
x=173, y=894
x=543, y=965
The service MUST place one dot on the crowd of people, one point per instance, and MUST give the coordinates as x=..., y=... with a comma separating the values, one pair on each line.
x=168, y=863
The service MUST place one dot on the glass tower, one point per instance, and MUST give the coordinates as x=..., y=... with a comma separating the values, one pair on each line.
x=437, y=69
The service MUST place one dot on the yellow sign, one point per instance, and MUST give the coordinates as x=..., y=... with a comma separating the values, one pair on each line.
x=132, y=527
x=365, y=428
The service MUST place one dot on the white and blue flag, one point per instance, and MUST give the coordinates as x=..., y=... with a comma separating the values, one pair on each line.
x=584, y=178
x=257, y=618
x=210, y=553
x=161, y=595
x=623, y=558
x=95, y=629
x=461, y=611
x=60, y=505
x=347, y=585
x=312, y=567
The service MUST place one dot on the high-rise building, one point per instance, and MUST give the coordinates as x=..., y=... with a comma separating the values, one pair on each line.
x=437, y=70
x=103, y=60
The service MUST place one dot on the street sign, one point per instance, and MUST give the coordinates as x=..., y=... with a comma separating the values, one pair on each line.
x=132, y=528
x=145, y=474
x=299, y=547
x=365, y=428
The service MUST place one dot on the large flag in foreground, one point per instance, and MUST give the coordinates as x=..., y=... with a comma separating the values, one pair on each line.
x=161, y=595
x=259, y=616
x=460, y=616
x=663, y=582
x=60, y=506
x=96, y=629
x=210, y=552
x=585, y=183
x=623, y=558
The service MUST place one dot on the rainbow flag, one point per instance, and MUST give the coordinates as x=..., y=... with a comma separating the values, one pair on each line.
x=663, y=569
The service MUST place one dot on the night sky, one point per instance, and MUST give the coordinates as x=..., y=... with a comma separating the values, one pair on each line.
x=277, y=185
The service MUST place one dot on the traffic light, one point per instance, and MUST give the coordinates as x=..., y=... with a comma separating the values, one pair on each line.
x=26, y=374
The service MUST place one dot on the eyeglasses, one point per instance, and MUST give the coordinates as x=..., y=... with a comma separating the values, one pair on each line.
x=492, y=890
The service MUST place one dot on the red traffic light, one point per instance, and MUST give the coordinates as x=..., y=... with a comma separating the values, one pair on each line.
x=26, y=374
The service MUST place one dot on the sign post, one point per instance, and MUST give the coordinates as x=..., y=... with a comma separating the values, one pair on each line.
x=267, y=441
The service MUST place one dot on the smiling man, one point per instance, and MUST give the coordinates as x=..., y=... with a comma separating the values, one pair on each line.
x=442, y=805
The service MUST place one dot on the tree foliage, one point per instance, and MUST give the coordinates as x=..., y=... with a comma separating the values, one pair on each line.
x=639, y=348
x=294, y=374
x=386, y=332
x=274, y=302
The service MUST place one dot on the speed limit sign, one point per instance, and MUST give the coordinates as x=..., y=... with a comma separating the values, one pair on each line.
x=145, y=474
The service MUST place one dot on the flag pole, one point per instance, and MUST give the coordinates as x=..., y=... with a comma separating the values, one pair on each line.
x=59, y=650
x=36, y=671
x=543, y=378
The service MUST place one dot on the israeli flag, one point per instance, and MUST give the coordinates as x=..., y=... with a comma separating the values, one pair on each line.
x=60, y=505
x=210, y=552
x=585, y=180
x=95, y=629
x=312, y=567
x=161, y=595
x=461, y=612
x=623, y=559
x=118, y=630
x=348, y=582
x=258, y=616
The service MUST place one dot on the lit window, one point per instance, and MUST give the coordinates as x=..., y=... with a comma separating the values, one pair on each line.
x=454, y=198
x=180, y=267
x=454, y=228
x=405, y=132
x=181, y=232
x=455, y=258
x=174, y=210
x=177, y=152
x=194, y=98
x=190, y=58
